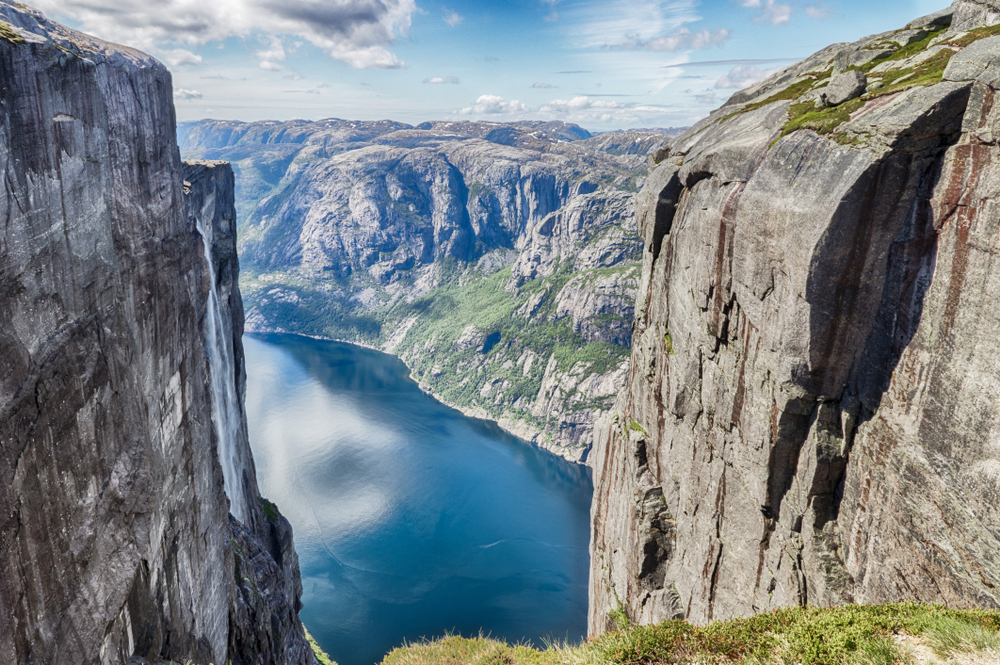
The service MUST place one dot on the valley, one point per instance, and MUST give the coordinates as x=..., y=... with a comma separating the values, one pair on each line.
x=499, y=261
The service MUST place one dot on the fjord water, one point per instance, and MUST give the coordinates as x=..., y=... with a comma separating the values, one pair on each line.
x=411, y=519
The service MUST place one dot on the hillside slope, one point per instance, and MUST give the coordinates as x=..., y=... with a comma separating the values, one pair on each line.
x=811, y=412
x=500, y=261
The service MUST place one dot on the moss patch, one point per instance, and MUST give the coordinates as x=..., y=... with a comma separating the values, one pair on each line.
x=270, y=509
x=9, y=34
x=793, y=91
x=321, y=656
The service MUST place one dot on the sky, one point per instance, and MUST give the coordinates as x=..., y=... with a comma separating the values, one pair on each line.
x=603, y=64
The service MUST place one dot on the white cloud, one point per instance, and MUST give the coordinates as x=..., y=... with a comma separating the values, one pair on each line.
x=187, y=95
x=442, y=79
x=493, y=104
x=706, y=98
x=580, y=104
x=818, y=10
x=452, y=18
x=543, y=85
x=609, y=24
x=178, y=57
x=357, y=32
x=681, y=39
x=272, y=55
x=771, y=12
x=553, y=15
x=741, y=76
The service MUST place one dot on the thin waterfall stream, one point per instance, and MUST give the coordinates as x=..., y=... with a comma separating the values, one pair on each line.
x=225, y=400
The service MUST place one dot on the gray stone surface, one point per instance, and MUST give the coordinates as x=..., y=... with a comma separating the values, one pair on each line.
x=810, y=414
x=844, y=87
x=973, y=13
x=115, y=543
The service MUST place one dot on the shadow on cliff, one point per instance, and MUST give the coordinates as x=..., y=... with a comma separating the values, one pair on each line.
x=868, y=277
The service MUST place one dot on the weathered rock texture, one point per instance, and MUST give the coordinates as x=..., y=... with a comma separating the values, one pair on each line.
x=812, y=405
x=427, y=241
x=115, y=539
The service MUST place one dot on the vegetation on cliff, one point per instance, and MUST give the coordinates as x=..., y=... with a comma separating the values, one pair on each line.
x=901, y=633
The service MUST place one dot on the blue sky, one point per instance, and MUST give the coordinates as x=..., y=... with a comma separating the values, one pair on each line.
x=605, y=64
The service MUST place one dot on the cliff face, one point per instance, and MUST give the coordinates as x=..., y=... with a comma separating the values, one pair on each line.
x=811, y=411
x=500, y=261
x=115, y=539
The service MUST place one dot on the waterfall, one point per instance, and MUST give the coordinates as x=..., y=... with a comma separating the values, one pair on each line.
x=225, y=399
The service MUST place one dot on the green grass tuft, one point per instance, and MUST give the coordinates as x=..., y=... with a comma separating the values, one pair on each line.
x=321, y=656
x=848, y=635
x=9, y=34
x=270, y=509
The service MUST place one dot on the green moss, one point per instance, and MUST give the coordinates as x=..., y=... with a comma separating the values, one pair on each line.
x=668, y=344
x=270, y=509
x=634, y=426
x=821, y=121
x=9, y=34
x=976, y=35
x=321, y=656
x=793, y=91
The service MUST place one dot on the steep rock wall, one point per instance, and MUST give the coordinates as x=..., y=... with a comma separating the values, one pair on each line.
x=115, y=539
x=811, y=406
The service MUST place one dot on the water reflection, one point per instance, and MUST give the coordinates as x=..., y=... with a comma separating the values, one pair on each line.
x=411, y=519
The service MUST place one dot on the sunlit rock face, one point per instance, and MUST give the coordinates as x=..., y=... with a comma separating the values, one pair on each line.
x=115, y=538
x=811, y=411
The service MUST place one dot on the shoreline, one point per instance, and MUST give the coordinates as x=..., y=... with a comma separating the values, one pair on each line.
x=526, y=433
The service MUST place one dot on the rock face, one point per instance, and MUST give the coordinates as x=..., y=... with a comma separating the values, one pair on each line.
x=426, y=241
x=115, y=539
x=811, y=412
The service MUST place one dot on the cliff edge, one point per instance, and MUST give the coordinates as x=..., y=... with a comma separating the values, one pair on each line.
x=811, y=413
x=116, y=543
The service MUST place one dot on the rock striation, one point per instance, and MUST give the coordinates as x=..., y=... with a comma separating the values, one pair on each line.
x=116, y=543
x=427, y=240
x=811, y=414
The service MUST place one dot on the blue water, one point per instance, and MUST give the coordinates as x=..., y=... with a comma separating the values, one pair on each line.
x=411, y=519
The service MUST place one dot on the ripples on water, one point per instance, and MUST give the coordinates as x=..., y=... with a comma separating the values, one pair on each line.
x=410, y=519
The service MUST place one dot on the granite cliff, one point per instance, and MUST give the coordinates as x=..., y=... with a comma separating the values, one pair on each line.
x=499, y=261
x=811, y=409
x=116, y=542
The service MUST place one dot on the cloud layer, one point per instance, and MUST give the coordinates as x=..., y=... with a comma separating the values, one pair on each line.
x=741, y=76
x=682, y=39
x=357, y=32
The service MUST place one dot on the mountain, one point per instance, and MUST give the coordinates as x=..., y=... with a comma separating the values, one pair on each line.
x=119, y=305
x=499, y=260
x=811, y=406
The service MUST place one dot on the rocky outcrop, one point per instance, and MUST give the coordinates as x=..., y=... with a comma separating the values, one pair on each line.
x=810, y=415
x=115, y=539
x=384, y=234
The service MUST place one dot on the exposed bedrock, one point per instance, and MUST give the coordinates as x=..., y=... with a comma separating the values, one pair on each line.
x=811, y=409
x=115, y=538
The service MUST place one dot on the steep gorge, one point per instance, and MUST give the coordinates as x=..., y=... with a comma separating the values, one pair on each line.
x=811, y=407
x=116, y=543
x=498, y=260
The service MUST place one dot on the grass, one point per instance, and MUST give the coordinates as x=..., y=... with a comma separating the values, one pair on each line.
x=270, y=509
x=321, y=656
x=848, y=635
x=9, y=34
x=825, y=121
